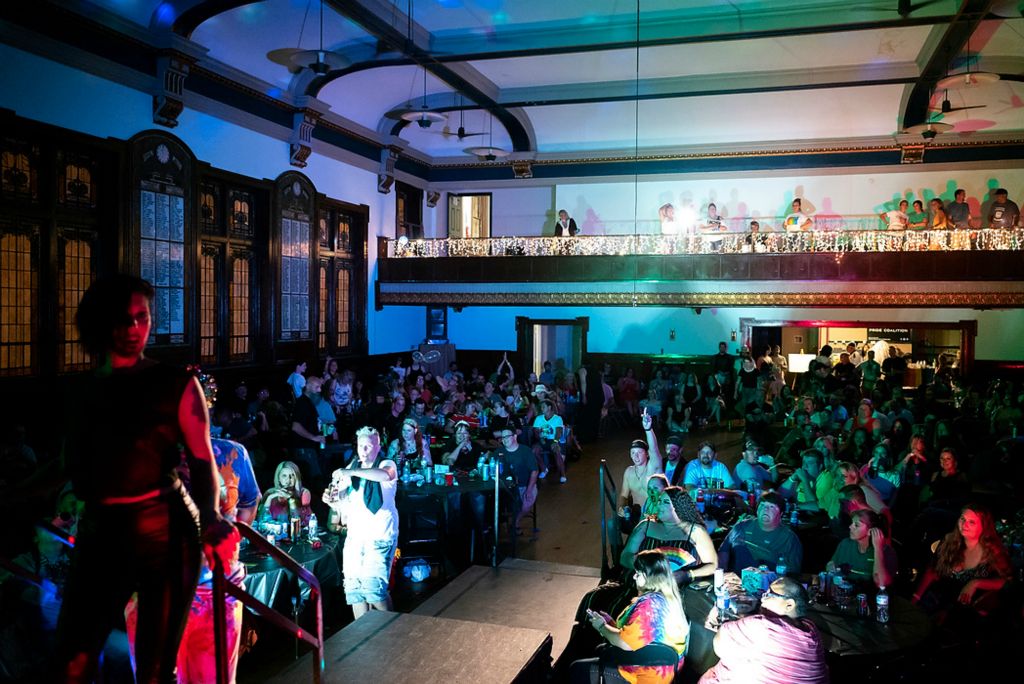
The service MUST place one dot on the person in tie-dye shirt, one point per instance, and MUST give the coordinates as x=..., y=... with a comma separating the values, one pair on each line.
x=655, y=615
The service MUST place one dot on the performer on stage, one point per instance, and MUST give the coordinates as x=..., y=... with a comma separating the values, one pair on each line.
x=140, y=530
x=363, y=494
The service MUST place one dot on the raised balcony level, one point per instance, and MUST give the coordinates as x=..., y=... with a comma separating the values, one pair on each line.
x=880, y=268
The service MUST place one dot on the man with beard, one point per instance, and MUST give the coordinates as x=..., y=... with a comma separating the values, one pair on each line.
x=674, y=464
x=705, y=468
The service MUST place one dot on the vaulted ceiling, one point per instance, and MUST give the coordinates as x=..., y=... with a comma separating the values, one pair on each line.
x=585, y=78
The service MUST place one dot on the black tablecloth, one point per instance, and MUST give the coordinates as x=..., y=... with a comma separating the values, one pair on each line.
x=273, y=585
x=844, y=634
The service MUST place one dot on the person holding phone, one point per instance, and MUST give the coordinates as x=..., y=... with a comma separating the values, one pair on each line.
x=655, y=615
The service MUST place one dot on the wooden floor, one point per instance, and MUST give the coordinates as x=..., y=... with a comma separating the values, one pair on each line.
x=568, y=514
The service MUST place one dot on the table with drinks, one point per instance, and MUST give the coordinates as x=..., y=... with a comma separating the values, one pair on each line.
x=451, y=489
x=852, y=623
x=313, y=548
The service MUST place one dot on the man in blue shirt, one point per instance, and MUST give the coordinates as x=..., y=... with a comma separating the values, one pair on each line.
x=705, y=468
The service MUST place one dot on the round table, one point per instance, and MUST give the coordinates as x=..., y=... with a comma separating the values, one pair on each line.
x=275, y=586
x=844, y=634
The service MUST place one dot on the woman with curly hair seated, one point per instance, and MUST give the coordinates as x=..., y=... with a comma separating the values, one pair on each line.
x=676, y=528
x=286, y=495
x=971, y=565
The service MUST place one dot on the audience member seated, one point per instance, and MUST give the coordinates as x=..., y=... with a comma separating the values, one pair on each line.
x=761, y=540
x=647, y=461
x=523, y=465
x=423, y=418
x=847, y=474
x=856, y=449
x=677, y=415
x=31, y=604
x=970, y=566
x=779, y=645
x=548, y=430
x=674, y=464
x=881, y=475
x=949, y=487
x=865, y=557
x=411, y=446
x=655, y=615
x=287, y=495
x=797, y=440
x=751, y=470
x=462, y=453
x=706, y=467
x=810, y=484
x=675, y=528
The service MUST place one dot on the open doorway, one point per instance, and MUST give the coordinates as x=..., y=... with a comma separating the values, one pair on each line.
x=563, y=342
x=925, y=346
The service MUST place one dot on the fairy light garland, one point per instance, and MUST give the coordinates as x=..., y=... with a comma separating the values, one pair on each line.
x=813, y=241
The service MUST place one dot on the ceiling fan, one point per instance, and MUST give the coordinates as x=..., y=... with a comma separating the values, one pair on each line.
x=318, y=61
x=461, y=133
x=947, y=107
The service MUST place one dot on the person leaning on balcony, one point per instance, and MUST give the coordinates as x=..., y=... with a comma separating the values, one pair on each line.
x=896, y=219
x=939, y=219
x=1004, y=212
x=918, y=218
x=565, y=226
x=958, y=211
x=797, y=219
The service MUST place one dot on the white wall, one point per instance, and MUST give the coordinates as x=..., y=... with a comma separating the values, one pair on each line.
x=620, y=206
x=39, y=89
x=645, y=330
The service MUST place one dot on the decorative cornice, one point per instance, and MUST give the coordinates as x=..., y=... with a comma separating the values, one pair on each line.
x=895, y=146
x=702, y=299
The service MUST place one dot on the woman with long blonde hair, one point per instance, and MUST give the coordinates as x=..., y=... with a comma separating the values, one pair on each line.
x=655, y=615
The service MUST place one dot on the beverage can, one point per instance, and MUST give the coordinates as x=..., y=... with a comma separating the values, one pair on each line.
x=863, y=608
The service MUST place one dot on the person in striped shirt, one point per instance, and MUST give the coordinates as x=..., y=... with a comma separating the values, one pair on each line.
x=777, y=646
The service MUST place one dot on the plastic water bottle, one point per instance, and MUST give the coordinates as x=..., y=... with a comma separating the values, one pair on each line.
x=780, y=567
x=721, y=594
x=312, y=530
x=882, y=606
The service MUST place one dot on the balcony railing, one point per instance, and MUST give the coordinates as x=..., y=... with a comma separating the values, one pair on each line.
x=820, y=240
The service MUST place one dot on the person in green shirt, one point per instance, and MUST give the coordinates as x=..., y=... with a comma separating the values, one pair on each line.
x=865, y=556
x=918, y=218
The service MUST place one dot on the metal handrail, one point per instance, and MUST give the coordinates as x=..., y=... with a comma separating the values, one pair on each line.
x=222, y=587
x=607, y=497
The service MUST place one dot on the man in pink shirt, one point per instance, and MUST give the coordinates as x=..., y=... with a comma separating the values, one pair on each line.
x=777, y=646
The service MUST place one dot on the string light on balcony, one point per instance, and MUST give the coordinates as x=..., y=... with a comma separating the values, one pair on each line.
x=837, y=242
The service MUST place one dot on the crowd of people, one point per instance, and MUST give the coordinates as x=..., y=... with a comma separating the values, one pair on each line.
x=853, y=474
x=900, y=489
x=904, y=214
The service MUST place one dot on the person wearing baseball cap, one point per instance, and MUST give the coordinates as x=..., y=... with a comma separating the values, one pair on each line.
x=646, y=461
x=674, y=466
